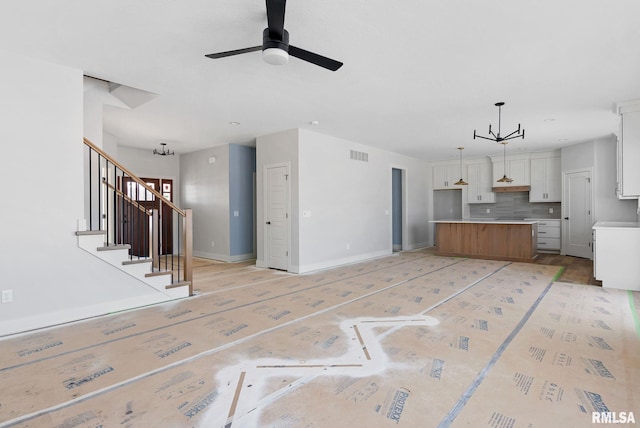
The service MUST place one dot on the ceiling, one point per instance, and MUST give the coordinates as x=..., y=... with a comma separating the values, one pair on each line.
x=419, y=76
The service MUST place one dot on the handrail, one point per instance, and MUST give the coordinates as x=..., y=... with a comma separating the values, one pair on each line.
x=135, y=178
x=126, y=198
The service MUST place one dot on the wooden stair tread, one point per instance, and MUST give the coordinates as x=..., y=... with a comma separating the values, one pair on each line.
x=178, y=284
x=115, y=247
x=136, y=261
x=90, y=232
x=159, y=273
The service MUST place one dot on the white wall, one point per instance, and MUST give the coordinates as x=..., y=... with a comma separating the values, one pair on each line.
x=608, y=206
x=52, y=279
x=349, y=200
x=281, y=147
x=95, y=96
x=204, y=188
x=600, y=155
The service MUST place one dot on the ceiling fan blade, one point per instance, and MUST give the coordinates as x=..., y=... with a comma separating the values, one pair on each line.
x=275, y=18
x=235, y=52
x=322, y=61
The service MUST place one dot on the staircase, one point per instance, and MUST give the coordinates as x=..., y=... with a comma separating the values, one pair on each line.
x=133, y=227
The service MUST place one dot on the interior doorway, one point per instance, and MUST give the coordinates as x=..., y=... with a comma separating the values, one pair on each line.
x=577, y=214
x=397, y=208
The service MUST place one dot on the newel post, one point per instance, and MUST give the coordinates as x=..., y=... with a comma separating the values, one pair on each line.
x=155, y=240
x=188, y=248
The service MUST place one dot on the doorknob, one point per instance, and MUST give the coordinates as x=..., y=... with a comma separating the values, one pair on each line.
x=268, y=222
x=566, y=218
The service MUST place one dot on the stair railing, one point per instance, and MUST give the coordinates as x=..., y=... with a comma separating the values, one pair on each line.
x=132, y=213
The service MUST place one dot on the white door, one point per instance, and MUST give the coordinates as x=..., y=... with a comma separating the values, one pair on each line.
x=576, y=208
x=277, y=218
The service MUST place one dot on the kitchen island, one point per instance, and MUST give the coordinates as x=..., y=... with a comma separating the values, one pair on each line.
x=514, y=240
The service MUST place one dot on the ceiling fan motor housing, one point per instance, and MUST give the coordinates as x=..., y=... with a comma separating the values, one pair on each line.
x=275, y=51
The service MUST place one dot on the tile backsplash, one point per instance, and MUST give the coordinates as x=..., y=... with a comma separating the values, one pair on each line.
x=515, y=205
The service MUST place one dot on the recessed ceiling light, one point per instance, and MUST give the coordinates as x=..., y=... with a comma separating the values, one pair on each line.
x=314, y=123
x=563, y=139
x=234, y=123
x=550, y=120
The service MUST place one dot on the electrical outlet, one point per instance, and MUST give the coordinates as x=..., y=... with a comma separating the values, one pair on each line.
x=488, y=210
x=550, y=210
x=348, y=246
x=7, y=296
x=213, y=244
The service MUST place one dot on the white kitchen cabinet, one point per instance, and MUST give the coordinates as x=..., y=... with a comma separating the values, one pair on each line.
x=546, y=183
x=517, y=168
x=616, y=254
x=629, y=154
x=549, y=234
x=479, y=191
x=444, y=176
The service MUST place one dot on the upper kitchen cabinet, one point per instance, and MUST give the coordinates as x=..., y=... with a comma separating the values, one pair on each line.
x=517, y=168
x=445, y=176
x=629, y=151
x=546, y=177
x=479, y=188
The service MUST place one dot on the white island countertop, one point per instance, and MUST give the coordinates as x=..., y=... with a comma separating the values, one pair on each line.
x=617, y=225
x=485, y=221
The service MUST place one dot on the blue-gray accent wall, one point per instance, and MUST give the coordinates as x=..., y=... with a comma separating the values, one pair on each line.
x=242, y=168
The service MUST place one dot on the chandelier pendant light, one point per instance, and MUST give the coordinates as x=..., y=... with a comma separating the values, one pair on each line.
x=164, y=151
x=498, y=138
x=461, y=182
x=504, y=178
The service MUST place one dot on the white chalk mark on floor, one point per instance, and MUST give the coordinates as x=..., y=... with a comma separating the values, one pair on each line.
x=241, y=388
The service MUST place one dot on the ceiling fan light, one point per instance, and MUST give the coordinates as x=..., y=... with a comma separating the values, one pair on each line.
x=275, y=56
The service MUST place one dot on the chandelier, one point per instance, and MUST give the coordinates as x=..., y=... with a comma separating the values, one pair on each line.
x=164, y=152
x=518, y=133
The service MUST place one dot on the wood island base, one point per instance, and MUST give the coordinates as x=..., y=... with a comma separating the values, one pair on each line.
x=494, y=241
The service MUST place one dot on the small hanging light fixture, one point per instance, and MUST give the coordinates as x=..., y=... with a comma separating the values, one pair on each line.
x=461, y=182
x=164, y=152
x=504, y=178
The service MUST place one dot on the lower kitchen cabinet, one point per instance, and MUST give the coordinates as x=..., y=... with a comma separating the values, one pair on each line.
x=548, y=234
x=616, y=254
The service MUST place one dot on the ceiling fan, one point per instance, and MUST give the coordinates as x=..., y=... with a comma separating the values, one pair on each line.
x=275, y=42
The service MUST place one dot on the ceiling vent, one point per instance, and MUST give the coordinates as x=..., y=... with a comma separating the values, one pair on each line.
x=361, y=156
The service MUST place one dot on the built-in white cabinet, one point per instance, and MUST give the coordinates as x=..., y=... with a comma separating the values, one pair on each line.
x=480, y=183
x=546, y=177
x=445, y=176
x=517, y=168
x=629, y=153
x=615, y=262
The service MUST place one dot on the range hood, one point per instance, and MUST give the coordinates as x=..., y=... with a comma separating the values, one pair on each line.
x=505, y=189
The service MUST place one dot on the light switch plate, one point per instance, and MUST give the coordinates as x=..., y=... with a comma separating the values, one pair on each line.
x=7, y=296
